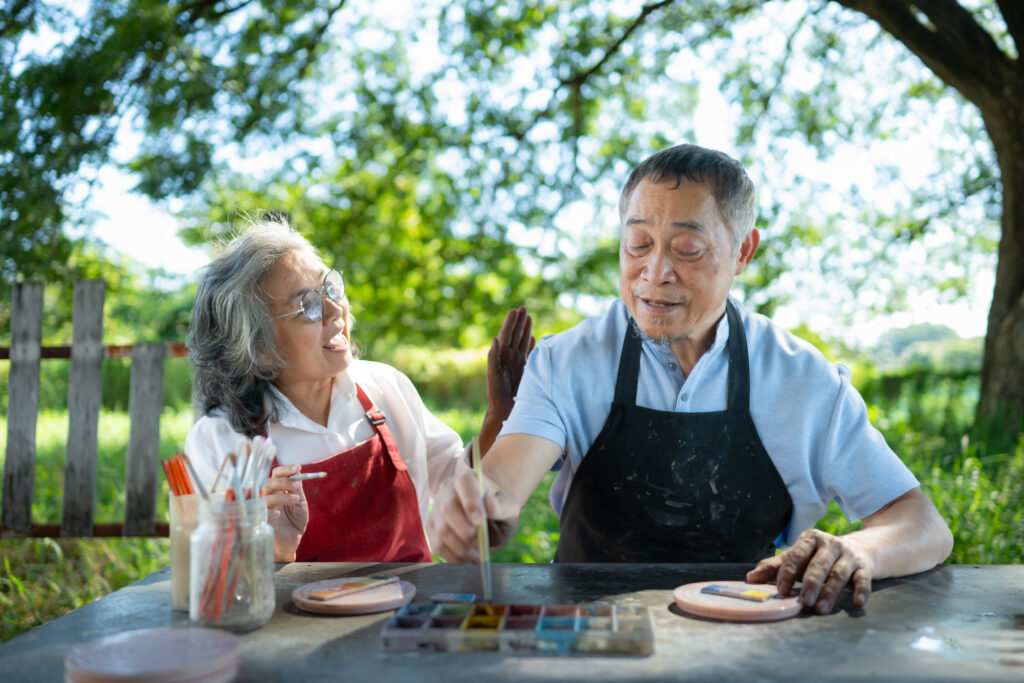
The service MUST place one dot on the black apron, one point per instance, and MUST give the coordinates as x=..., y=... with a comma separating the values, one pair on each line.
x=661, y=486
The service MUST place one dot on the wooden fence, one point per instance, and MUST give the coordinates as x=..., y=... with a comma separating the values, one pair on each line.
x=86, y=352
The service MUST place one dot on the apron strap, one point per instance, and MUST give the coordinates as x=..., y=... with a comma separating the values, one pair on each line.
x=738, y=396
x=378, y=421
x=629, y=366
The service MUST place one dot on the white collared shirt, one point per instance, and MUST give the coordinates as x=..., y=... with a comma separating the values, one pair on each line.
x=429, y=447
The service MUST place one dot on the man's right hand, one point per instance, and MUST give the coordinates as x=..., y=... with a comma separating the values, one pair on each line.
x=459, y=509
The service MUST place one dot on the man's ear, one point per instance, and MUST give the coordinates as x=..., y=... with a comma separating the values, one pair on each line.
x=747, y=250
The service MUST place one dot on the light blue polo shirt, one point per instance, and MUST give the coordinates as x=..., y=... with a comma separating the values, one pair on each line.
x=812, y=422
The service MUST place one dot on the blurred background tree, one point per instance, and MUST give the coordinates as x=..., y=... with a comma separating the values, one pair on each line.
x=456, y=160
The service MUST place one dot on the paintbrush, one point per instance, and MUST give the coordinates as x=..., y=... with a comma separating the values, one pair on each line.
x=483, y=541
x=195, y=477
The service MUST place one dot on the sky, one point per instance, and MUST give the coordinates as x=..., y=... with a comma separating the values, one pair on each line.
x=136, y=227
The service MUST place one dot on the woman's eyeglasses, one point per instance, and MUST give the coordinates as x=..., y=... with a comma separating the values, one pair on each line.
x=312, y=302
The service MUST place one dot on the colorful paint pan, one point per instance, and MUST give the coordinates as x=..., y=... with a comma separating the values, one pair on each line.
x=731, y=601
x=521, y=629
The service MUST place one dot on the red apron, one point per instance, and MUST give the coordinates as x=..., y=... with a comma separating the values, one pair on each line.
x=365, y=509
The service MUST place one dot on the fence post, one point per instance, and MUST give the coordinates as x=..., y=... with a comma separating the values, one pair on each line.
x=22, y=406
x=144, y=404
x=83, y=408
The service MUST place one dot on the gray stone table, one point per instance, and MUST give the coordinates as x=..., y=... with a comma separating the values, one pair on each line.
x=954, y=623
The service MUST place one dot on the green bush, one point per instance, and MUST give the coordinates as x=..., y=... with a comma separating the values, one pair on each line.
x=449, y=378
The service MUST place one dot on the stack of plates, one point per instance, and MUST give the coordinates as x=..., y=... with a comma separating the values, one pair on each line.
x=156, y=655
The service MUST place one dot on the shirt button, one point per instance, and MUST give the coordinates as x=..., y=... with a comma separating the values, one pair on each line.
x=670, y=366
x=684, y=397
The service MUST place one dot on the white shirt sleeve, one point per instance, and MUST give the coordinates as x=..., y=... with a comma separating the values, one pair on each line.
x=208, y=443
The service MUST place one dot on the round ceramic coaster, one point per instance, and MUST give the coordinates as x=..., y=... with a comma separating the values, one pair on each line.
x=379, y=599
x=735, y=601
x=159, y=655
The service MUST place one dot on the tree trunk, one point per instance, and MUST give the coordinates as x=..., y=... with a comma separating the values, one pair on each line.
x=949, y=40
x=1002, y=374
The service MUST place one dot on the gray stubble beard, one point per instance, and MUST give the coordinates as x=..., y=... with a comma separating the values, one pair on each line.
x=664, y=342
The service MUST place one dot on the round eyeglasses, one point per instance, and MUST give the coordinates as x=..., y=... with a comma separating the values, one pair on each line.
x=312, y=302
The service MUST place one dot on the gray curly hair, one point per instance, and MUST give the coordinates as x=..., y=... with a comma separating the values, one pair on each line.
x=733, y=189
x=230, y=339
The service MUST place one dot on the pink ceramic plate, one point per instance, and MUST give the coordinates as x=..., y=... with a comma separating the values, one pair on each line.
x=690, y=599
x=380, y=599
x=159, y=655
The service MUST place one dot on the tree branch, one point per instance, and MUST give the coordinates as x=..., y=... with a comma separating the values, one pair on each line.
x=575, y=82
x=780, y=69
x=11, y=21
x=954, y=46
x=317, y=37
x=580, y=78
x=1013, y=15
x=203, y=9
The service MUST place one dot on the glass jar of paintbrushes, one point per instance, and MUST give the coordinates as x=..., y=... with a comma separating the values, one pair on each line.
x=232, y=549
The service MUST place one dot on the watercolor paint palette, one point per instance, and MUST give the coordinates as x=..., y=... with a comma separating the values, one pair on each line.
x=521, y=629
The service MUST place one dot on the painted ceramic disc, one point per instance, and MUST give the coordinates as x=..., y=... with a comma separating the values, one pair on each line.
x=690, y=599
x=159, y=655
x=379, y=599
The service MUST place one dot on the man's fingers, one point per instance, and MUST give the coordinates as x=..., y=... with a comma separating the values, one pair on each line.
x=861, y=587
x=765, y=570
x=500, y=506
x=453, y=523
x=834, y=583
x=467, y=490
x=523, y=328
x=448, y=545
x=508, y=328
x=515, y=331
x=818, y=569
x=793, y=562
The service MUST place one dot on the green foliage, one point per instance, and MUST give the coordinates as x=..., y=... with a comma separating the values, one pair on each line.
x=465, y=158
x=927, y=346
x=452, y=378
x=179, y=66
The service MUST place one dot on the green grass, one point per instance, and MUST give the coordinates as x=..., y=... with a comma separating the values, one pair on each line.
x=978, y=486
x=43, y=578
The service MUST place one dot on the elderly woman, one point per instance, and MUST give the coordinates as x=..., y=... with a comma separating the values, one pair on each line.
x=271, y=351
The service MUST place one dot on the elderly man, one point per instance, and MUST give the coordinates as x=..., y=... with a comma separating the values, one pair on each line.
x=689, y=429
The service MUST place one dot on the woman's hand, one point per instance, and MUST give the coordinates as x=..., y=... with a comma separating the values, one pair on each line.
x=287, y=511
x=505, y=363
